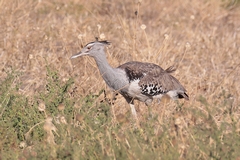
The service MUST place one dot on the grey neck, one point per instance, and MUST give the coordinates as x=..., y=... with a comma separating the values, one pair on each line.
x=112, y=76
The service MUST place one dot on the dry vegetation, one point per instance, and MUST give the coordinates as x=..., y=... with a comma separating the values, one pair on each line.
x=54, y=108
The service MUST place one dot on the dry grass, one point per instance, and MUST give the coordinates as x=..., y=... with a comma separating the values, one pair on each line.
x=201, y=38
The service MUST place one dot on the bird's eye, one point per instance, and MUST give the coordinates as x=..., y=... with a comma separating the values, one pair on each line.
x=89, y=48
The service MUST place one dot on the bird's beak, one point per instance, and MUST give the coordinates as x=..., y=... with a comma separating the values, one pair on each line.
x=78, y=55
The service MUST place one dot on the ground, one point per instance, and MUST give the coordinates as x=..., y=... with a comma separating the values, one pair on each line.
x=43, y=90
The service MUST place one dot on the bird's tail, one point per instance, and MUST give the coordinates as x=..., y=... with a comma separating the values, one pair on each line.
x=183, y=95
x=170, y=69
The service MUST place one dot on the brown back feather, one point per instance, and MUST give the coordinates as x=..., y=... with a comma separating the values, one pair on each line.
x=150, y=73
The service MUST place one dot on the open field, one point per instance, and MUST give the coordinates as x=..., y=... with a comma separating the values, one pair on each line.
x=52, y=107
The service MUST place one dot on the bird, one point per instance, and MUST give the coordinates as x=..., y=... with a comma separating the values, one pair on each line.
x=135, y=80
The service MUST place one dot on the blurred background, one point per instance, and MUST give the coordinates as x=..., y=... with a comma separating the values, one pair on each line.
x=200, y=38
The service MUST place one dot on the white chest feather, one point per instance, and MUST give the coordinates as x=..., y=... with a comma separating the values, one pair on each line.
x=134, y=88
x=135, y=91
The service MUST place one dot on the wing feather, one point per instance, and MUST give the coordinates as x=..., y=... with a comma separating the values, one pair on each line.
x=152, y=75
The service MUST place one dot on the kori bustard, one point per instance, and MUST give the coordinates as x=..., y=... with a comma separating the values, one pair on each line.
x=135, y=80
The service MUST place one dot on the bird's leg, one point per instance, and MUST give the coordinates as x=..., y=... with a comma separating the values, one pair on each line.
x=148, y=103
x=133, y=110
x=134, y=114
x=113, y=98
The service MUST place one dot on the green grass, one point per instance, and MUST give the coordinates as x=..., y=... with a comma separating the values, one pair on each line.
x=97, y=136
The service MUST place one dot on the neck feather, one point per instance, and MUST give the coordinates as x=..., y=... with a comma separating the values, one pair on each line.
x=103, y=65
x=112, y=76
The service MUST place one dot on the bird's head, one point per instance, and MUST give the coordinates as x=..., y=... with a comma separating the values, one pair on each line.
x=92, y=49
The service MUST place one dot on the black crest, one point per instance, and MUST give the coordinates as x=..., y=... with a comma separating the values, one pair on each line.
x=103, y=42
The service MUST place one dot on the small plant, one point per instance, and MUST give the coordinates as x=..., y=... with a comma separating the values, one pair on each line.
x=20, y=120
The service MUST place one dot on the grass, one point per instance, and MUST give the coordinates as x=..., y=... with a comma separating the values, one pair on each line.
x=52, y=107
x=88, y=131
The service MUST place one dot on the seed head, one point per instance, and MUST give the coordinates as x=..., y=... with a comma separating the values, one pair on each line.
x=102, y=36
x=41, y=107
x=99, y=26
x=143, y=27
x=63, y=120
x=188, y=45
x=79, y=117
x=61, y=107
x=166, y=36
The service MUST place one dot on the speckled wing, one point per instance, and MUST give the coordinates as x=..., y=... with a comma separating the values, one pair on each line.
x=153, y=80
x=160, y=81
